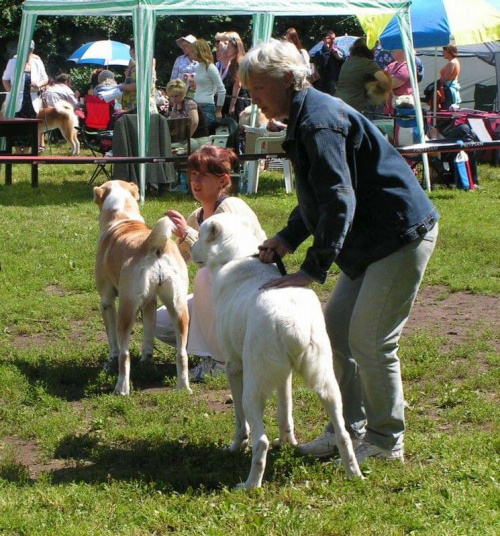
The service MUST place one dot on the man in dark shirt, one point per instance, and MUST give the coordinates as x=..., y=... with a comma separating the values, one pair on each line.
x=328, y=61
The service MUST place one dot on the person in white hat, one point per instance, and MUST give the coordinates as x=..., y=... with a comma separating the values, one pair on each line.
x=184, y=67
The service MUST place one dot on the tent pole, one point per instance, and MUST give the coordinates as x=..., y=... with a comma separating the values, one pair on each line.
x=407, y=39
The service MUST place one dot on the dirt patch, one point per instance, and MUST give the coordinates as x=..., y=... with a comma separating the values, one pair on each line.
x=458, y=315
x=28, y=454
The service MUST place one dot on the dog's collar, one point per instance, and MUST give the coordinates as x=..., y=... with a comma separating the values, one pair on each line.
x=277, y=260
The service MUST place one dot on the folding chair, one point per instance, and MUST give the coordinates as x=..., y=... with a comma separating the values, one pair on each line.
x=268, y=143
x=95, y=132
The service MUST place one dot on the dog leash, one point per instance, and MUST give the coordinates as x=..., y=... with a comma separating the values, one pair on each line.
x=276, y=258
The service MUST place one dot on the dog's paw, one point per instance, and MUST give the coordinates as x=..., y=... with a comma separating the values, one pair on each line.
x=111, y=366
x=238, y=445
x=183, y=385
x=147, y=363
x=288, y=437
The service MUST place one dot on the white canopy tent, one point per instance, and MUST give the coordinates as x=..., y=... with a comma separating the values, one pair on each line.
x=373, y=16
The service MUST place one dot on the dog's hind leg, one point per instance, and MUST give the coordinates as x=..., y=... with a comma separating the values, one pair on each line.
x=126, y=319
x=108, y=311
x=254, y=401
x=235, y=378
x=176, y=303
x=285, y=418
x=331, y=399
x=148, y=322
x=181, y=335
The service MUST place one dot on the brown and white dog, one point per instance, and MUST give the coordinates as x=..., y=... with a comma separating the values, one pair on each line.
x=137, y=264
x=63, y=117
x=378, y=88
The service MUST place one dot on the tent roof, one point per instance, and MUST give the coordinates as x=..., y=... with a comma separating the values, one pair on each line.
x=208, y=7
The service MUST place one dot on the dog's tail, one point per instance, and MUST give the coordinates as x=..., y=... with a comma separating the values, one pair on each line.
x=161, y=232
x=64, y=107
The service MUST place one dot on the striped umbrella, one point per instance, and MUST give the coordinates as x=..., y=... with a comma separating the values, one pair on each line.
x=105, y=52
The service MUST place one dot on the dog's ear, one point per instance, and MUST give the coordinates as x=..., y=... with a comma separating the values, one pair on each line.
x=134, y=190
x=214, y=230
x=98, y=194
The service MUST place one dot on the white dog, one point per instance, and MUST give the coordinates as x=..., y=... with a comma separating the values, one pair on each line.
x=265, y=334
x=138, y=264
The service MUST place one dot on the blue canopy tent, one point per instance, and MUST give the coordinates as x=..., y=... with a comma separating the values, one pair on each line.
x=373, y=15
x=437, y=23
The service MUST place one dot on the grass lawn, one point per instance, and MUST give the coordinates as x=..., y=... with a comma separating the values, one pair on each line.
x=76, y=460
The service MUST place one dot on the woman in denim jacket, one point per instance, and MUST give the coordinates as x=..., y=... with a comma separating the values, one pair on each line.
x=367, y=213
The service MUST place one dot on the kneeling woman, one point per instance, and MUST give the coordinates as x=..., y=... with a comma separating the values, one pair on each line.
x=180, y=106
x=209, y=171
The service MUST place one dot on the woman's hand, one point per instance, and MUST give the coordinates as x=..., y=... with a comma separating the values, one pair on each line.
x=269, y=248
x=299, y=279
x=180, y=223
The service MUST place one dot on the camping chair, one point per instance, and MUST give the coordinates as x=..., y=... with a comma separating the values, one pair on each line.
x=95, y=132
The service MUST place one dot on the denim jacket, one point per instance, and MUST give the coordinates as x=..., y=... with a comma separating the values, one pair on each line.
x=357, y=196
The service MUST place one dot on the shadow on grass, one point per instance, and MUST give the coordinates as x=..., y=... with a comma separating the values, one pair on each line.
x=73, y=381
x=168, y=465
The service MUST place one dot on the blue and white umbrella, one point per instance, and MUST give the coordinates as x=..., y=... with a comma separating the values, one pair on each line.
x=105, y=53
x=343, y=42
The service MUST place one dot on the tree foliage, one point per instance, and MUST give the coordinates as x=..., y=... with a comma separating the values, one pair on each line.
x=58, y=37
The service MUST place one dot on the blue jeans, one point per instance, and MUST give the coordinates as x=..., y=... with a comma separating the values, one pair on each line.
x=364, y=319
x=209, y=113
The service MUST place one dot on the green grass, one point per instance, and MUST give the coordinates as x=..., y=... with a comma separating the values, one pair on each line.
x=76, y=460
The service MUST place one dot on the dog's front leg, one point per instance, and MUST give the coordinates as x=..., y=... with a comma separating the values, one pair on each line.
x=235, y=379
x=285, y=417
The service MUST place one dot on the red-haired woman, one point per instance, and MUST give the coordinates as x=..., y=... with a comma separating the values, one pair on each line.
x=209, y=172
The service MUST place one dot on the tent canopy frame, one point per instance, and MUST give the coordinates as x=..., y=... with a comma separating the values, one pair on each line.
x=373, y=15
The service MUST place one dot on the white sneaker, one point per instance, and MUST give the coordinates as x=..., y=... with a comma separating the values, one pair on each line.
x=367, y=450
x=208, y=366
x=324, y=446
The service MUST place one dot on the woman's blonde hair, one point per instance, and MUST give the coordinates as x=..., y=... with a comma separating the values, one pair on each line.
x=276, y=59
x=176, y=87
x=203, y=52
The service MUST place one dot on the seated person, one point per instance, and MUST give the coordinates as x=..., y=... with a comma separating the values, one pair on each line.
x=107, y=88
x=180, y=106
x=60, y=90
x=209, y=171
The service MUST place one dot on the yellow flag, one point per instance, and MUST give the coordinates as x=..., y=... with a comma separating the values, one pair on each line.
x=373, y=26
